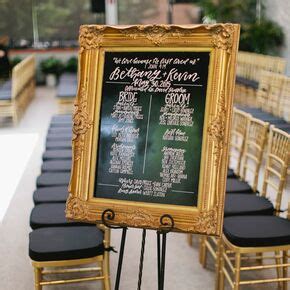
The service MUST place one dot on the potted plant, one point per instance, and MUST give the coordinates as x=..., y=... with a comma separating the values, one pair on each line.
x=52, y=68
x=72, y=65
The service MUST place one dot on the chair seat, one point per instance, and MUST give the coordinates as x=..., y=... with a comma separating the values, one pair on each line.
x=56, y=166
x=53, y=194
x=60, y=125
x=53, y=179
x=61, y=118
x=246, y=82
x=50, y=215
x=284, y=127
x=272, y=120
x=60, y=130
x=249, y=110
x=65, y=243
x=257, y=231
x=5, y=95
x=57, y=154
x=58, y=137
x=247, y=204
x=231, y=174
x=53, y=145
x=237, y=186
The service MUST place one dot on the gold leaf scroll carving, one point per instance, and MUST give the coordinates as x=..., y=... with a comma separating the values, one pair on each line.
x=81, y=122
x=205, y=222
x=156, y=34
x=138, y=218
x=217, y=128
x=76, y=208
x=223, y=37
x=91, y=36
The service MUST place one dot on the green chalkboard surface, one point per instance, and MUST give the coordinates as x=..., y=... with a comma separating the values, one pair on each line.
x=151, y=126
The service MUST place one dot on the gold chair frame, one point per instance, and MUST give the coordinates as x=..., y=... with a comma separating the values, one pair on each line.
x=256, y=137
x=23, y=90
x=239, y=130
x=277, y=164
x=103, y=268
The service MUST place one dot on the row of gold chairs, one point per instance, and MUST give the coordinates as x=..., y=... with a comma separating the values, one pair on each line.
x=16, y=94
x=250, y=72
x=250, y=65
x=246, y=214
x=63, y=252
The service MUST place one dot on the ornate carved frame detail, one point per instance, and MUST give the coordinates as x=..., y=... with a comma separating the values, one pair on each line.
x=221, y=40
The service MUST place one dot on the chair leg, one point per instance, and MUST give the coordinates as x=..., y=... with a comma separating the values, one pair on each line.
x=285, y=270
x=106, y=272
x=37, y=278
x=278, y=269
x=189, y=239
x=202, y=251
x=221, y=279
x=217, y=262
x=237, y=271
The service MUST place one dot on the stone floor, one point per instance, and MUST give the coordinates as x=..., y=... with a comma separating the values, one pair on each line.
x=183, y=270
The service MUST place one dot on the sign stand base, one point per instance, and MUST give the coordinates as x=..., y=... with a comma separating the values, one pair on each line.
x=166, y=226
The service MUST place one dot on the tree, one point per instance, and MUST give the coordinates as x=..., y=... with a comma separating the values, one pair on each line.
x=257, y=35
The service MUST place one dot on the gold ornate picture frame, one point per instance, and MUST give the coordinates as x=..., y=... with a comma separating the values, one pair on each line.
x=219, y=42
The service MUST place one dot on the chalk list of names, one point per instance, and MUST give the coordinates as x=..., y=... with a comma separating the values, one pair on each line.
x=151, y=126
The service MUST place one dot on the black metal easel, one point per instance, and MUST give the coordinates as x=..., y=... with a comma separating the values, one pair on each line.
x=166, y=226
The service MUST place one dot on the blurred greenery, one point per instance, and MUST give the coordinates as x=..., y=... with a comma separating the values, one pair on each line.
x=264, y=36
x=15, y=61
x=72, y=65
x=57, y=19
x=52, y=65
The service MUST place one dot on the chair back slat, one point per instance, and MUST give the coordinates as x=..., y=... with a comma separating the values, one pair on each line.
x=238, y=137
x=284, y=104
x=22, y=73
x=277, y=162
x=254, y=147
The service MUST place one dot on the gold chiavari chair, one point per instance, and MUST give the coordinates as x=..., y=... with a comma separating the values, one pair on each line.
x=240, y=122
x=47, y=266
x=247, y=235
x=276, y=84
x=255, y=141
x=263, y=90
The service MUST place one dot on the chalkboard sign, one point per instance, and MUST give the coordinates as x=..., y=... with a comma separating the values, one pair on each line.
x=151, y=125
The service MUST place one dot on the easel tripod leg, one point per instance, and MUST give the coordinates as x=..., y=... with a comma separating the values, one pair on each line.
x=120, y=262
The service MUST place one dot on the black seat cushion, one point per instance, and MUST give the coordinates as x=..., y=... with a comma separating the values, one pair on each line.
x=237, y=186
x=50, y=215
x=58, y=137
x=60, y=130
x=54, y=145
x=231, y=174
x=60, y=125
x=53, y=194
x=284, y=127
x=53, y=179
x=61, y=118
x=246, y=82
x=249, y=110
x=5, y=95
x=65, y=243
x=247, y=204
x=257, y=231
x=272, y=120
x=56, y=166
x=57, y=154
